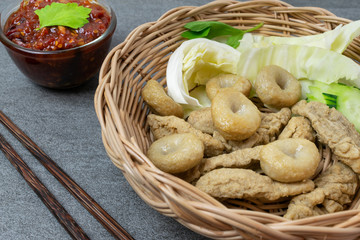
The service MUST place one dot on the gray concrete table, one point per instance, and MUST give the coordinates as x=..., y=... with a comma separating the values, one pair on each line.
x=65, y=126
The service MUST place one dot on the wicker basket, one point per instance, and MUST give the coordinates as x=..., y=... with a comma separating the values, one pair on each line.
x=122, y=115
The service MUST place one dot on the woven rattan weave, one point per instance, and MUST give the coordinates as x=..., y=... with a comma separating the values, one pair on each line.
x=122, y=115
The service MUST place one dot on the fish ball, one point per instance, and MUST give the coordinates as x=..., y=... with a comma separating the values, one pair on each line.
x=221, y=81
x=234, y=115
x=276, y=87
x=290, y=160
x=176, y=153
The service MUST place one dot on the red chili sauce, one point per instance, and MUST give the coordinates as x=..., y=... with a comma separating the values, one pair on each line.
x=22, y=24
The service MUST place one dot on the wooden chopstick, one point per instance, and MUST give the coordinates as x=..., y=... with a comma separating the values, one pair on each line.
x=75, y=231
x=88, y=202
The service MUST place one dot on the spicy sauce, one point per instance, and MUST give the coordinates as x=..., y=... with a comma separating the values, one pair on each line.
x=22, y=24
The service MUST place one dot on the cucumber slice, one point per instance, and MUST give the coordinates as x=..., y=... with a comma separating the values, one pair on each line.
x=346, y=99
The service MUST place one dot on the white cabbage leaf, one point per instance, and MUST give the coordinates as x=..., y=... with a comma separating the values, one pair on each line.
x=303, y=62
x=336, y=40
x=193, y=63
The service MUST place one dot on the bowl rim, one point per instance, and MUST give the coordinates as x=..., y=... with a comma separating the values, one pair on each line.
x=109, y=31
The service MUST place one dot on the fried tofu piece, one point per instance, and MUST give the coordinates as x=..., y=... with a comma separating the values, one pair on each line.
x=247, y=184
x=305, y=205
x=242, y=158
x=161, y=126
x=298, y=127
x=270, y=127
x=333, y=129
x=227, y=146
x=334, y=189
x=202, y=120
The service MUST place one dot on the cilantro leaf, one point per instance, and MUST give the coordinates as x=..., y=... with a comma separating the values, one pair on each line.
x=61, y=14
x=212, y=29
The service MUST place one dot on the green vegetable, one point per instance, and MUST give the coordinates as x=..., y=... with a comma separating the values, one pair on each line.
x=303, y=62
x=330, y=100
x=192, y=65
x=198, y=93
x=346, y=99
x=314, y=57
x=212, y=29
x=317, y=95
x=61, y=14
x=335, y=40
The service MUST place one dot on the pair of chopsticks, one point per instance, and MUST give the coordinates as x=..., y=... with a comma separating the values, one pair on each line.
x=65, y=219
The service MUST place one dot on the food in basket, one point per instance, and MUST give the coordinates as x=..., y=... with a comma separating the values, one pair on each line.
x=213, y=29
x=242, y=158
x=246, y=183
x=278, y=158
x=55, y=25
x=303, y=62
x=201, y=119
x=298, y=127
x=197, y=60
x=336, y=40
x=334, y=189
x=176, y=153
x=276, y=87
x=270, y=127
x=162, y=126
x=334, y=130
x=192, y=65
x=290, y=160
x=155, y=96
x=234, y=115
x=221, y=81
x=227, y=218
x=342, y=97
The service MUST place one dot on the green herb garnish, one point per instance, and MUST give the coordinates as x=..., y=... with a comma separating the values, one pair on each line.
x=60, y=14
x=212, y=29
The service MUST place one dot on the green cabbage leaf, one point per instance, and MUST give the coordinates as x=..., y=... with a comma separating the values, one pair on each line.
x=303, y=62
x=336, y=40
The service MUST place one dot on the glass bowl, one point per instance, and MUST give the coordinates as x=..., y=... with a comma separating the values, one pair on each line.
x=59, y=69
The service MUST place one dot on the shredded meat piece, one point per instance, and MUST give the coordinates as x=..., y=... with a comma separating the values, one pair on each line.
x=218, y=136
x=270, y=127
x=332, y=128
x=161, y=126
x=247, y=184
x=242, y=158
x=334, y=189
x=192, y=175
x=202, y=120
x=298, y=127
